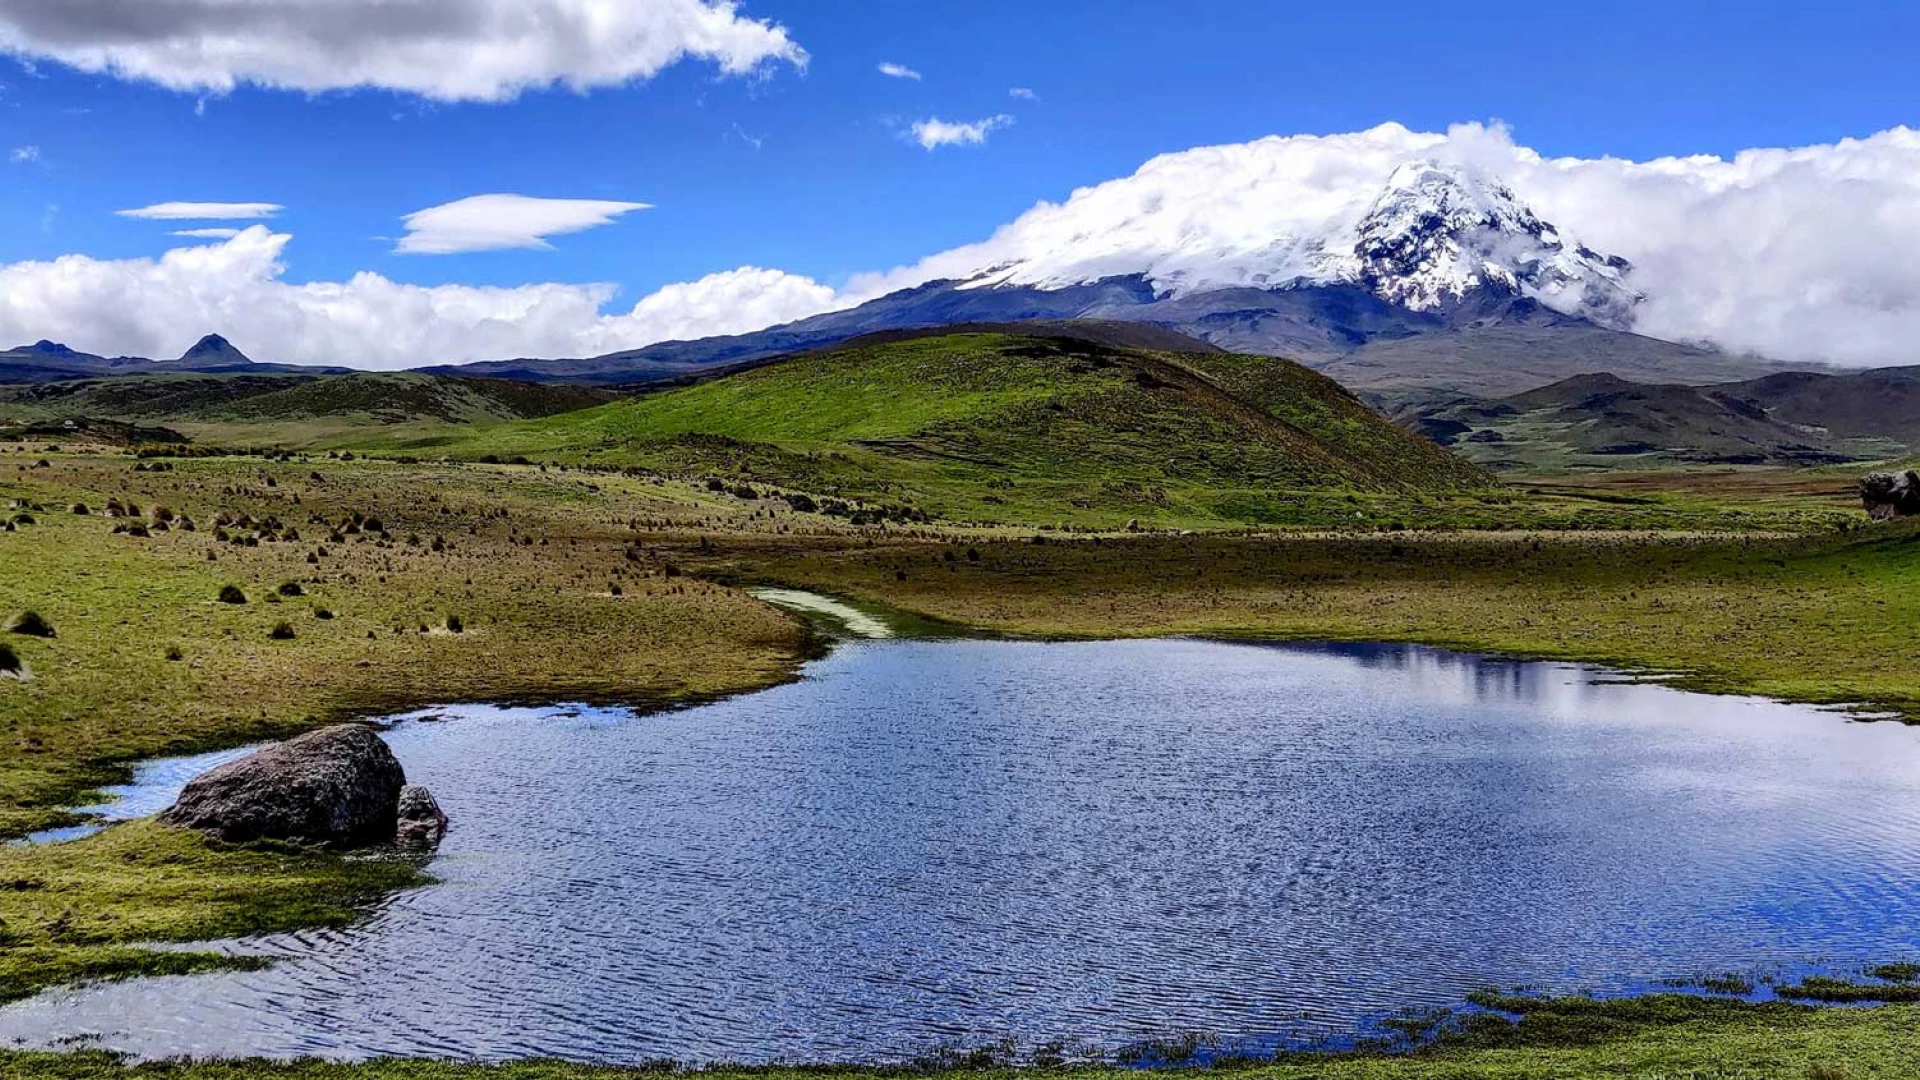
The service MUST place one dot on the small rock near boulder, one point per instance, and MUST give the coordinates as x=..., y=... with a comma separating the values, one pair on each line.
x=422, y=824
x=1890, y=495
x=338, y=787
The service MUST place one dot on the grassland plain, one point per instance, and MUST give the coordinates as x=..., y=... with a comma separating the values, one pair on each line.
x=610, y=587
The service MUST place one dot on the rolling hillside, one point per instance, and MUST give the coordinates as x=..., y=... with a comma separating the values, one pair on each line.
x=1604, y=421
x=993, y=426
x=288, y=410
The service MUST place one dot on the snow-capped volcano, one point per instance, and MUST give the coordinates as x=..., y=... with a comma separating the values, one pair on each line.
x=1432, y=236
x=1389, y=259
x=1437, y=235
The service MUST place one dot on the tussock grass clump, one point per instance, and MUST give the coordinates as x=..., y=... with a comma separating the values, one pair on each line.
x=291, y=589
x=231, y=594
x=456, y=625
x=10, y=662
x=282, y=631
x=32, y=624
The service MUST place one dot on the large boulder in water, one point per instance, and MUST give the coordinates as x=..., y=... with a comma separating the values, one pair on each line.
x=338, y=787
x=1890, y=495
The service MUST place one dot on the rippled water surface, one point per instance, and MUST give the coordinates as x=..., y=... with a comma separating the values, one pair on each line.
x=950, y=843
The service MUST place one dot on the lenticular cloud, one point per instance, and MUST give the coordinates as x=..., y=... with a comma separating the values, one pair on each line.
x=1799, y=254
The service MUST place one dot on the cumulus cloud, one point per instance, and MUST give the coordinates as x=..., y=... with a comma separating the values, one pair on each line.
x=1023, y=93
x=445, y=50
x=203, y=211
x=898, y=71
x=158, y=307
x=731, y=302
x=500, y=222
x=934, y=132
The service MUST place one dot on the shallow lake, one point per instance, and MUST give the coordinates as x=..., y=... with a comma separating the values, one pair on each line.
x=950, y=843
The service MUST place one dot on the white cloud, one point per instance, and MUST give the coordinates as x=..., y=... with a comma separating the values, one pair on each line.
x=24, y=155
x=731, y=302
x=934, y=132
x=1022, y=93
x=158, y=307
x=898, y=71
x=206, y=234
x=446, y=50
x=499, y=222
x=203, y=211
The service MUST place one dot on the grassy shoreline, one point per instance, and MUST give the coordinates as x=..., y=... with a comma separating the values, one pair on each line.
x=1818, y=619
x=1567, y=1039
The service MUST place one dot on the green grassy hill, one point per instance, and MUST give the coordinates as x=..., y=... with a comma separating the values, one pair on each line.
x=289, y=410
x=995, y=427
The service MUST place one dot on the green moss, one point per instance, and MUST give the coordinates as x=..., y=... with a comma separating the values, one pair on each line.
x=76, y=910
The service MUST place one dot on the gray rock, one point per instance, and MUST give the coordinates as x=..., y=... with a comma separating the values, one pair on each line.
x=422, y=823
x=1890, y=495
x=338, y=787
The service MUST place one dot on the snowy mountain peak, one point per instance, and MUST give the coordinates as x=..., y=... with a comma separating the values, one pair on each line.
x=1438, y=233
x=1417, y=233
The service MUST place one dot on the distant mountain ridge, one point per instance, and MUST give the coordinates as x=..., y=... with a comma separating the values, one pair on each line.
x=48, y=361
x=1791, y=418
x=193, y=400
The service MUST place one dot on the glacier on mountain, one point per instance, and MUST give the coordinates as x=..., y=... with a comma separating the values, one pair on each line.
x=1424, y=235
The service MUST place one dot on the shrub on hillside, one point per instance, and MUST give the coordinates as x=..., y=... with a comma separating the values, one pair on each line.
x=32, y=624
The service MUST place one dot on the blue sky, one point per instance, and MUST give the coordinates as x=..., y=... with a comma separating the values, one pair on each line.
x=832, y=187
x=780, y=144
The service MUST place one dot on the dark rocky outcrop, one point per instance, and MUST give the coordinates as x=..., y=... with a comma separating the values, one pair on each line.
x=422, y=824
x=1890, y=495
x=337, y=787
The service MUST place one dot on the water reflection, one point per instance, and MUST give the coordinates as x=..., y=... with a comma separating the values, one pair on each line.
x=928, y=843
